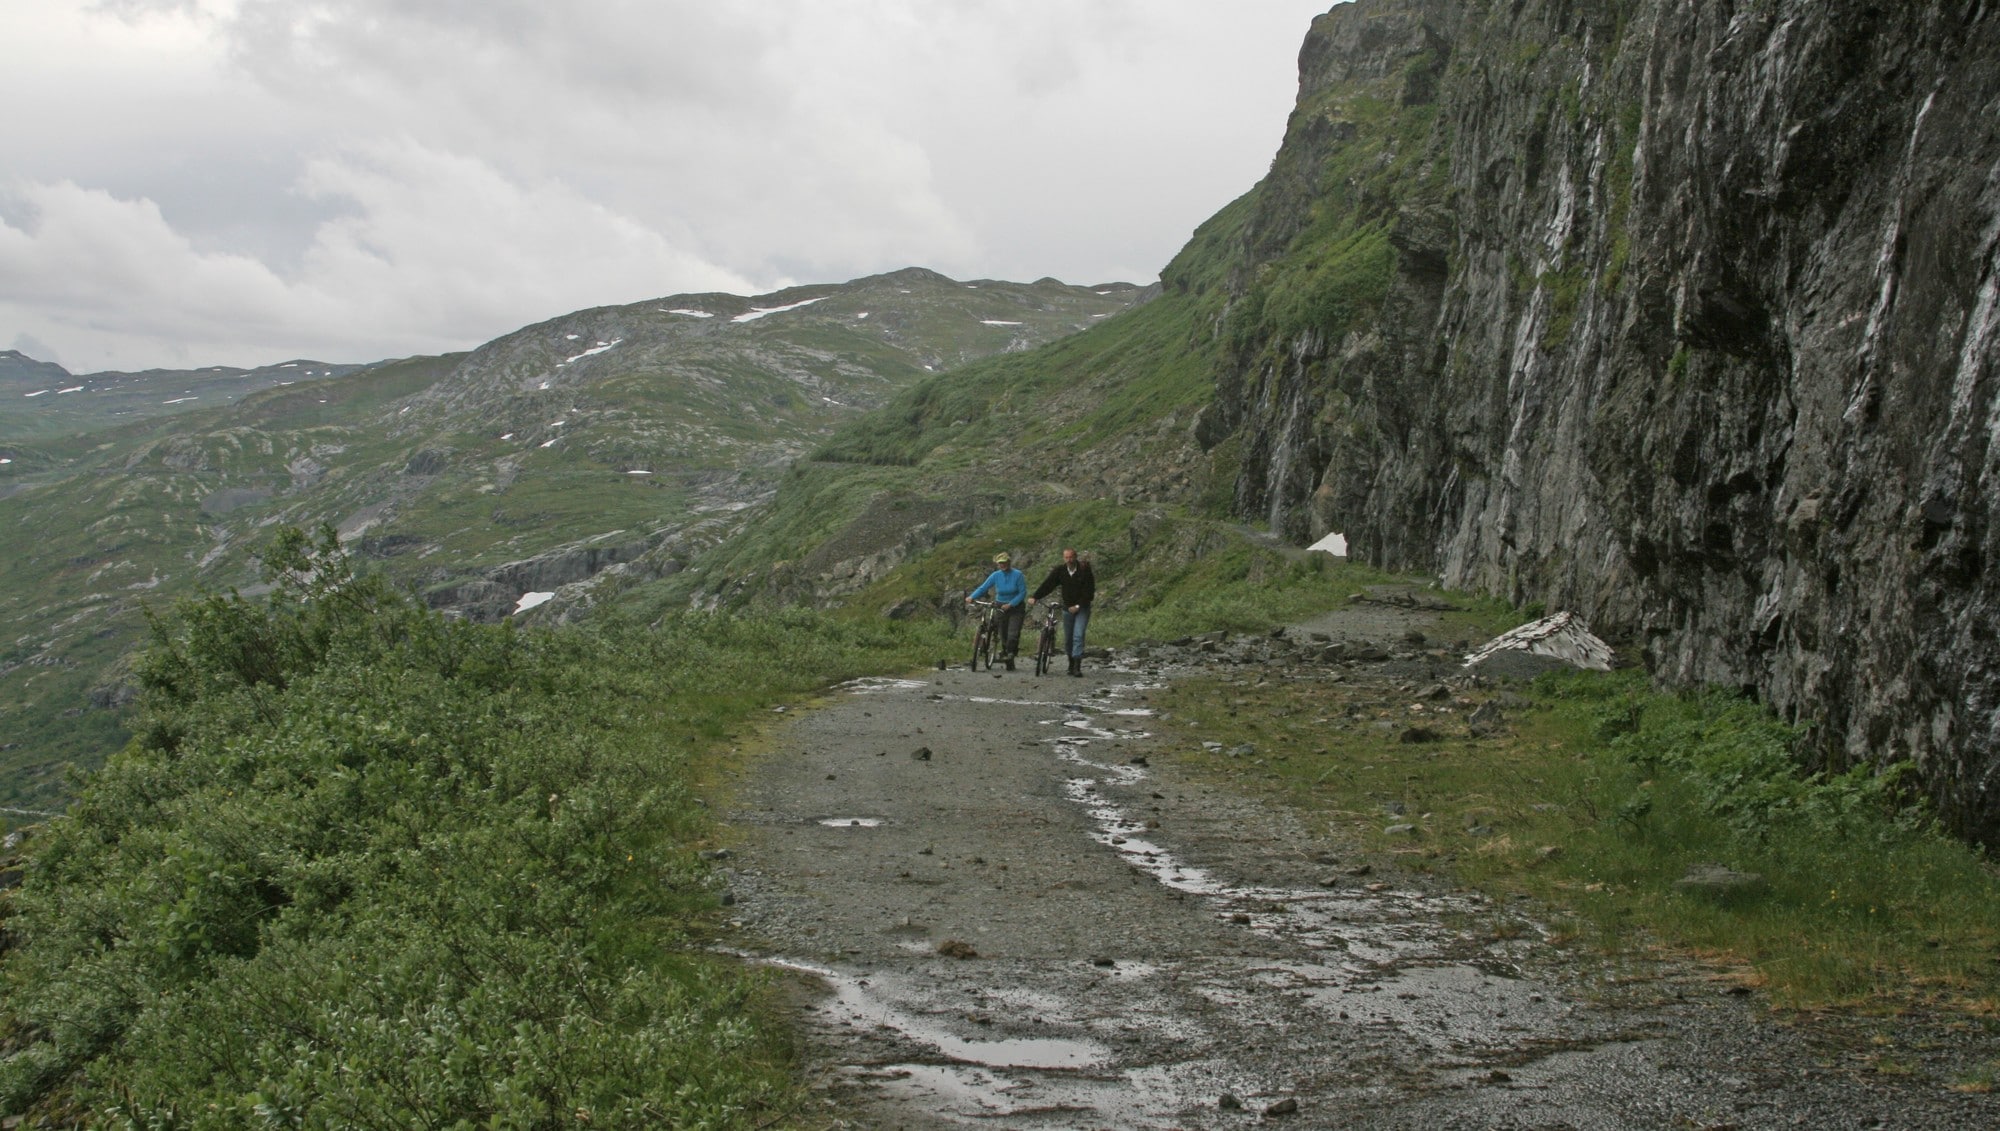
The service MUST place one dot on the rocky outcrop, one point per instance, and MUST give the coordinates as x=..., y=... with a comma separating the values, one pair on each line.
x=492, y=595
x=1680, y=313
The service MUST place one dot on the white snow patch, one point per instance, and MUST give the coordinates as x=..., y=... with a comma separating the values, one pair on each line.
x=532, y=600
x=545, y=384
x=4, y=459
x=598, y=348
x=571, y=337
x=1335, y=544
x=184, y=400
x=690, y=313
x=758, y=312
x=559, y=424
x=71, y=389
x=830, y=400
x=289, y=365
x=638, y=472
x=36, y=393
x=996, y=322
x=863, y=314
x=550, y=443
x=508, y=436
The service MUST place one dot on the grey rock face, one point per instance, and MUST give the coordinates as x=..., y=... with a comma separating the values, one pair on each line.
x=1693, y=326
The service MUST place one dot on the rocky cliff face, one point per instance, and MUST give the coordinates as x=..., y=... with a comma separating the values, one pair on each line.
x=1681, y=313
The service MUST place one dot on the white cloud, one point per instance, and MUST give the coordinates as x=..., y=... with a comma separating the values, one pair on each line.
x=234, y=179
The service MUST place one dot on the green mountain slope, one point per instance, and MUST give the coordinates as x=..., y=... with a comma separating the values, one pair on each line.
x=608, y=442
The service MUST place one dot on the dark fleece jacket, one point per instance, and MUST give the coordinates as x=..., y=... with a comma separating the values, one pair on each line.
x=1077, y=588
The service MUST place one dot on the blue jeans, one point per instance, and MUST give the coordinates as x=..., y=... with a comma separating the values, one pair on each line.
x=1073, y=626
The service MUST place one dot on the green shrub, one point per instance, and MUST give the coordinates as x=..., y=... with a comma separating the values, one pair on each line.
x=366, y=866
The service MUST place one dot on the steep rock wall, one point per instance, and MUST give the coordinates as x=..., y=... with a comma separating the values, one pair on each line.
x=1681, y=313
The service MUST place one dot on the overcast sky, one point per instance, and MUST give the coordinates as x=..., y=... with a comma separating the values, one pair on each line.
x=197, y=182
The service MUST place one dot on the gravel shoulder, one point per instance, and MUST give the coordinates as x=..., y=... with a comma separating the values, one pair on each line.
x=998, y=901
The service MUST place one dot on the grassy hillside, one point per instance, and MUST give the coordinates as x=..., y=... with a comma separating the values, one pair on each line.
x=606, y=436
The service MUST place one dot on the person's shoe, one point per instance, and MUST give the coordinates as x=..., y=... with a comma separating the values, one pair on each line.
x=1010, y=663
x=1076, y=665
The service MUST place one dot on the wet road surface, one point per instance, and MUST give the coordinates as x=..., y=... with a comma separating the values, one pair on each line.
x=1003, y=906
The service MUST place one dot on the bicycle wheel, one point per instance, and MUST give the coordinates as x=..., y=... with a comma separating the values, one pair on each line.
x=979, y=647
x=1044, y=651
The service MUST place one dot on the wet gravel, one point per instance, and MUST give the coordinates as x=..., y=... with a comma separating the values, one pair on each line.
x=1000, y=903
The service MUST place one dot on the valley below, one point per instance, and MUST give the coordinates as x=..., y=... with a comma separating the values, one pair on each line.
x=992, y=899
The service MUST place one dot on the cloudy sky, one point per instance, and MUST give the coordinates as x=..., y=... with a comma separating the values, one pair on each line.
x=196, y=182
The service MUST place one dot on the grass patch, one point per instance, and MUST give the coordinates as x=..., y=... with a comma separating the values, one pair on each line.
x=1597, y=795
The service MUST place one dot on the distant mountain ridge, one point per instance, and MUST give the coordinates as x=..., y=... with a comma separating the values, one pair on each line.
x=40, y=399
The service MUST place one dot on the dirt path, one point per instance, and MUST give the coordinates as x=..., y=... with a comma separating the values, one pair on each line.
x=1008, y=908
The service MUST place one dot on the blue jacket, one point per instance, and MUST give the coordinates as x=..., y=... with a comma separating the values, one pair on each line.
x=1009, y=585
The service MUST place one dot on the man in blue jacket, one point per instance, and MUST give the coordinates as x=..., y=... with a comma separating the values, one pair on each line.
x=1010, y=592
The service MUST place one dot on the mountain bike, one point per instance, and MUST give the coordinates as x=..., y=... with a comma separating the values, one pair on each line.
x=1045, y=648
x=983, y=636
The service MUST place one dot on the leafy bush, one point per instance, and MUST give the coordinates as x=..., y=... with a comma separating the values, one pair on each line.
x=366, y=866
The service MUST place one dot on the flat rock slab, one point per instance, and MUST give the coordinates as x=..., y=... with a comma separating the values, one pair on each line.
x=1030, y=929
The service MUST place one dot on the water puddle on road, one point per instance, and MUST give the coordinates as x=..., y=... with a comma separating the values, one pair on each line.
x=1386, y=939
x=878, y=685
x=851, y=822
x=854, y=1005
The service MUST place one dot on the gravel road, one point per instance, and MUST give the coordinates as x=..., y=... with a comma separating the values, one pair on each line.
x=1001, y=903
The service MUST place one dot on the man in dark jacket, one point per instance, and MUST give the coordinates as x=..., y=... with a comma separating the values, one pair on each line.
x=1079, y=587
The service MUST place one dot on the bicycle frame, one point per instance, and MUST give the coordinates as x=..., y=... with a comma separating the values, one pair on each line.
x=983, y=636
x=1045, y=649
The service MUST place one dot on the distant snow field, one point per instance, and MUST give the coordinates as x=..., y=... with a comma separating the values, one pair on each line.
x=550, y=443
x=689, y=313
x=532, y=600
x=4, y=459
x=36, y=393
x=71, y=389
x=758, y=312
x=571, y=337
x=638, y=471
x=184, y=400
x=997, y=322
x=863, y=314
